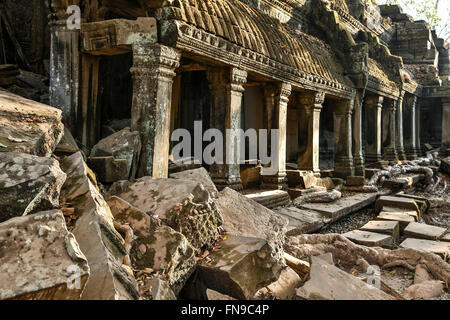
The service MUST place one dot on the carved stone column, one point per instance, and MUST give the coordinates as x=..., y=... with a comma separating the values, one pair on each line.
x=409, y=114
x=281, y=99
x=343, y=158
x=445, y=126
x=373, y=108
x=64, y=70
x=153, y=72
x=226, y=102
x=399, y=127
x=389, y=130
x=418, y=130
x=358, y=157
x=310, y=106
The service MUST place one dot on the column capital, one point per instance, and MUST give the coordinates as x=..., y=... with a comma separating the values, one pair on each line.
x=285, y=90
x=238, y=78
x=315, y=99
x=149, y=56
x=374, y=100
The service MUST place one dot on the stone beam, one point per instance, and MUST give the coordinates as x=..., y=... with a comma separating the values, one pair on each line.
x=226, y=103
x=153, y=72
x=343, y=158
x=309, y=106
x=116, y=36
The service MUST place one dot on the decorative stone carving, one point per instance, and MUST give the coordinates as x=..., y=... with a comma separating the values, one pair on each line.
x=410, y=126
x=399, y=126
x=389, y=131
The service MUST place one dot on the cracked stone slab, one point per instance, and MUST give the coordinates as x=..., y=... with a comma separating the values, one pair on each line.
x=391, y=228
x=403, y=218
x=343, y=206
x=28, y=184
x=40, y=259
x=302, y=221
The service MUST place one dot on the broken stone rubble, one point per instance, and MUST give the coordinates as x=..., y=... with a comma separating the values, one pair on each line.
x=40, y=259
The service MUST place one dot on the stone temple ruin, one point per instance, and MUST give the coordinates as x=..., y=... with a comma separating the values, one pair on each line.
x=360, y=95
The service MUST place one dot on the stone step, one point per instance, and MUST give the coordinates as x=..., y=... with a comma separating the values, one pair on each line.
x=391, y=228
x=446, y=237
x=370, y=239
x=423, y=203
x=396, y=202
x=302, y=221
x=403, y=182
x=297, y=192
x=441, y=248
x=424, y=231
x=413, y=213
x=270, y=198
x=343, y=206
x=403, y=219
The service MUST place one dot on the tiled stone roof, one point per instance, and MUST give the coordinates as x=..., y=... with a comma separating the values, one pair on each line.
x=253, y=30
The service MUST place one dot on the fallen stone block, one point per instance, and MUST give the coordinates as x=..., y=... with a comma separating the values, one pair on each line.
x=245, y=217
x=425, y=290
x=396, y=202
x=296, y=192
x=302, y=221
x=438, y=247
x=391, y=228
x=160, y=289
x=251, y=177
x=370, y=239
x=40, y=259
x=154, y=246
x=411, y=213
x=403, y=219
x=123, y=144
x=446, y=237
x=199, y=175
x=270, y=199
x=445, y=165
x=217, y=296
x=328, y=282
x=28, y=126
x=94, y=230
x=355, y=181
x=28, y=184
x=424, y=231
x=109, y=169
x=183, y=205
x=239, y=269
x=67, y=145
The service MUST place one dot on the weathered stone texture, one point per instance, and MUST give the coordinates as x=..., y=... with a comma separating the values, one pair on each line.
x=94, y=231
x=28, y=184
x=28, y=126
x=40, y=259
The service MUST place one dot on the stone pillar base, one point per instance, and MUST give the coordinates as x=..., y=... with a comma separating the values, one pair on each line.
x=390, y=154
x=401, y=154
x=359, y=166
x=344, y=168
x=232, y=183
x=411, y=154
x=276, y=182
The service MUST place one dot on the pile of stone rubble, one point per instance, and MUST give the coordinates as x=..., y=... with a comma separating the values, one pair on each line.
x=77, y=227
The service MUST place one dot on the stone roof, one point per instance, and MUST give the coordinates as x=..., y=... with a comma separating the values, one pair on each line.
x=257, y=32
x=381, y=79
